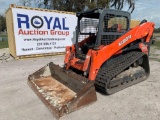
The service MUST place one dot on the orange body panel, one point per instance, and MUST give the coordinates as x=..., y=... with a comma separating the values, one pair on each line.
x=97, y=57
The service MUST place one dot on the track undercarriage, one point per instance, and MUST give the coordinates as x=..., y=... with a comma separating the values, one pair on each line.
x=130, y=69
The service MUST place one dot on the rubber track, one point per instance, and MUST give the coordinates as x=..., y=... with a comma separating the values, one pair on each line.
x=106, y=74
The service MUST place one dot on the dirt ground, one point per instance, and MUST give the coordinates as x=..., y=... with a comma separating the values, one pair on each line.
x=19, y=102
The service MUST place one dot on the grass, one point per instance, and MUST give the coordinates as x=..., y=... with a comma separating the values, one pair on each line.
x=3, y=35
x=3, y=44
x=156, y=34
x=155, y=59
x=154, y=55
x=155, y=47
x=156, y=44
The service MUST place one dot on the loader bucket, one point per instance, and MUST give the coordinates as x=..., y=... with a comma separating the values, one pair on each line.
x=61, y=91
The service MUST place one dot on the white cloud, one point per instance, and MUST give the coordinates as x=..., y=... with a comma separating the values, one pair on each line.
x=148, y=10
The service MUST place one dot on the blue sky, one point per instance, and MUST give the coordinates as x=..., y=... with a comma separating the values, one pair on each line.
x=4, y=5
x=145, y=9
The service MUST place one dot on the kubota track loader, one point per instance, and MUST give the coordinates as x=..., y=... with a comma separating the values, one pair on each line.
x=107, y=55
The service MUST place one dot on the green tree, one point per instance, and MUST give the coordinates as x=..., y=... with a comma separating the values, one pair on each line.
x=68, y=5
x=42, y=4
x=98, y=3
x=118, y=4
x=157, y=30
x=81, y=5
x=2, y=23
x=39, y=3
x=25, y=2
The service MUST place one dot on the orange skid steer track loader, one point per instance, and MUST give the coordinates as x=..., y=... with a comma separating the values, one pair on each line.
x=107, y=55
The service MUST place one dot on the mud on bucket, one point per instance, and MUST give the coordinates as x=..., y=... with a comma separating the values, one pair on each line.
x=62, y=92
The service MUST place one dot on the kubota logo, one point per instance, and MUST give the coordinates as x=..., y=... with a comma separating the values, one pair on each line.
x=125, y=40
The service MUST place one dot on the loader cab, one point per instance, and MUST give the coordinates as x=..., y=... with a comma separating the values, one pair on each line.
x=100, y=27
